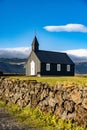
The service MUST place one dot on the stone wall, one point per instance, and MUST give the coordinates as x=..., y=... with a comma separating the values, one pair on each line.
x=66, y=103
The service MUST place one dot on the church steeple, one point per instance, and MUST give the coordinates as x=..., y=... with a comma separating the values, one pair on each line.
x=35, y=44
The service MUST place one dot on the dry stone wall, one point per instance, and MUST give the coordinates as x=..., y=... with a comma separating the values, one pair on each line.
x=66, y=103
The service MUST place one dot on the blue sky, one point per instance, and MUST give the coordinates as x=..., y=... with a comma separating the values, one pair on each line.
x=58, y=24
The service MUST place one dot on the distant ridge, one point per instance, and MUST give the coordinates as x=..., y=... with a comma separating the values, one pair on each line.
x=17, y=66
x=21, y=52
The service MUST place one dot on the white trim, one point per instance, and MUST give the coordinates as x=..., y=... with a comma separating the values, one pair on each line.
x=58, y=67
x=68, y=68
x=47, y=67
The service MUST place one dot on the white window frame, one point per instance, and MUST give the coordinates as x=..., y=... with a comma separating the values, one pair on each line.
x=68, y=68
x=47, y=67
x=58, y=67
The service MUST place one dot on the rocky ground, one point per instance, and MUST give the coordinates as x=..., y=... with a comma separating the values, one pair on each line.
x=7, y=122
x=66, y=101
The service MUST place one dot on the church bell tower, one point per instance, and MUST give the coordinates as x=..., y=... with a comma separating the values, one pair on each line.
x=35, y=45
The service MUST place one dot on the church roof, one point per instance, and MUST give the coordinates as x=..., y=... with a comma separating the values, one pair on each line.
x=35, y=41
x=53, y=57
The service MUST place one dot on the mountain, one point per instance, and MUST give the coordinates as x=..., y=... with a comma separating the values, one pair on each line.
x=21, y=52
x=78, y=56
x=81, y=67
x=17, y=66
x=12, y=60
x=80, y=53
x=12, y=66
x=78, y=59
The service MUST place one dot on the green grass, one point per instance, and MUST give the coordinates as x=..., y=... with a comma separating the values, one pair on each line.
x=35, y=118
x=67, y=81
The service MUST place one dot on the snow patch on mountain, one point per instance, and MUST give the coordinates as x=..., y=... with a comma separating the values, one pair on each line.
x=24, y=52
x=21, y=52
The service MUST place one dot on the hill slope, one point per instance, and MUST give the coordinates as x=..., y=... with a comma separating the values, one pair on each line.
x=81, y=68
x=12, y=66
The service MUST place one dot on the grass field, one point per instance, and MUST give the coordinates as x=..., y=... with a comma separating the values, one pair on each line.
x=67, y=81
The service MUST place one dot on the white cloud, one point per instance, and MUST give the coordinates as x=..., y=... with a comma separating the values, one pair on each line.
x=21, y=52
x=67, y=28
x=78, y=52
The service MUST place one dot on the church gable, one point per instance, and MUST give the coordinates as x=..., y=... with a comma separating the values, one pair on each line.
x=32, y=60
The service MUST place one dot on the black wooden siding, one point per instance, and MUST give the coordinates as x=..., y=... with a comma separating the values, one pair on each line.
x=53, y=70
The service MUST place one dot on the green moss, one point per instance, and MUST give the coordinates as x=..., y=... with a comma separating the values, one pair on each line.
x=34, y=117
x=13, y=108
x=2, y=104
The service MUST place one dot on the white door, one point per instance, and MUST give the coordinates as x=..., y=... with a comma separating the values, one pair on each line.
x=32, y=66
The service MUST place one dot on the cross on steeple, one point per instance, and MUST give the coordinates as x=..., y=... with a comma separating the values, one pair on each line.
x=35, y=44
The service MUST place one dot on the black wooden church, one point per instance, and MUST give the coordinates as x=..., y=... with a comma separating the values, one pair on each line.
x=48, y=63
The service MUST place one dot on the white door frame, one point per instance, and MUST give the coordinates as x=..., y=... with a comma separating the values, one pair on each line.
x=32, y=68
